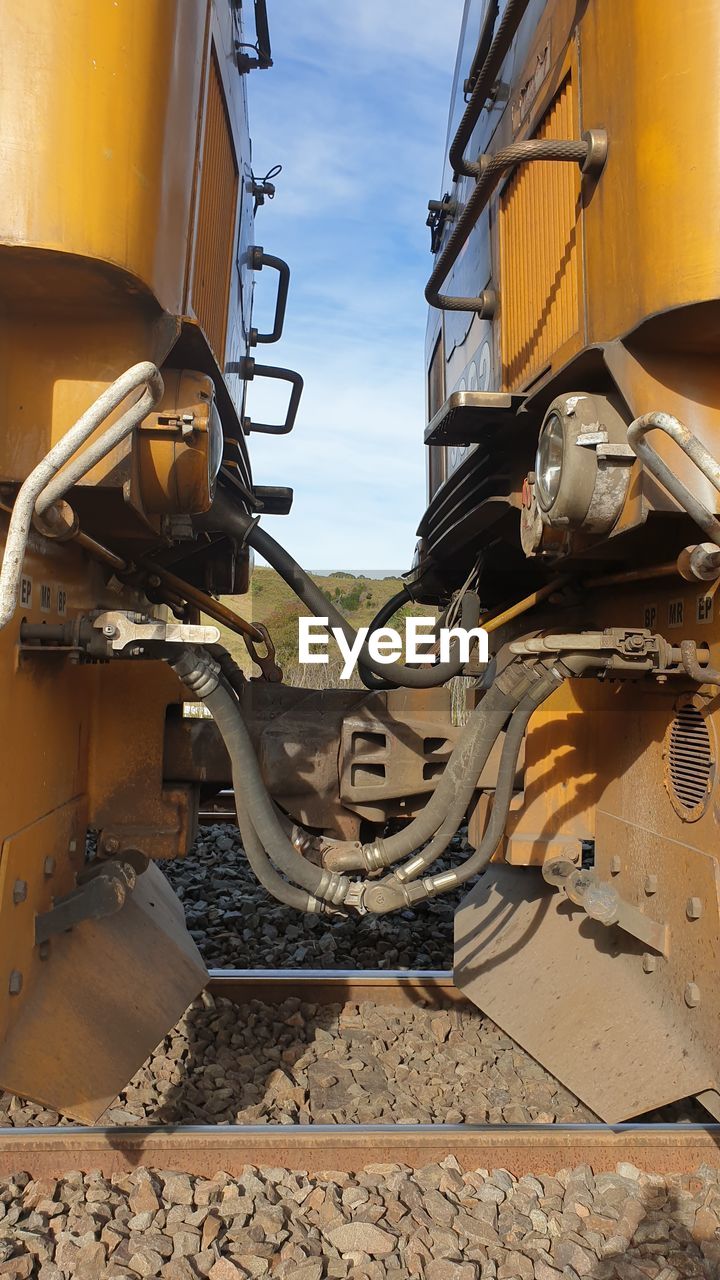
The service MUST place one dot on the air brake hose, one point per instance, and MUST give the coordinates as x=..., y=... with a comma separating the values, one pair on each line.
x=382, y=617
x=264, y=871
x=262, y=830
x=459, y=778
x=227, y=518
x=391, y=892
x=248, y=784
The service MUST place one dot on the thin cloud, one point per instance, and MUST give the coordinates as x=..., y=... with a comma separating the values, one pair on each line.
x=355, y=109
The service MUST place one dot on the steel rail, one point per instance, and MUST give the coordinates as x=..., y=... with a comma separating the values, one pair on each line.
x=205, y=1149
x=429, y=987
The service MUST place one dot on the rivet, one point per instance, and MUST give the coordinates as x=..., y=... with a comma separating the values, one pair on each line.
x=649, y=962
x=615, y=865
x=694, y=908
x=15, y=983
x=48, y=866
x=692, y=995
x=19, y=891
x=651, y=884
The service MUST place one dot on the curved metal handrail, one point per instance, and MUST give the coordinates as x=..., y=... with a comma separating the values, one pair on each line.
x=589, y=152
x=688, y=442
x=509, y=23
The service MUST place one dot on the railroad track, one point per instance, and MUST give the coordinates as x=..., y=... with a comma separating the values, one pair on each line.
x=204, y=1149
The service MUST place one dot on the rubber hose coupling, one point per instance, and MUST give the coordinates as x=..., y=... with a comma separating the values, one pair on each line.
x=199, y=672
x=391, y=895
x=333, y=888
x=375, y=856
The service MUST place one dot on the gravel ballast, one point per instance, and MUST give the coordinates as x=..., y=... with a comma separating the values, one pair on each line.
x=436, y=1223
x=237, y=925
x=257, y=1063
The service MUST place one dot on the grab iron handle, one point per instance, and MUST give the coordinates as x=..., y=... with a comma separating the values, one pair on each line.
x=589, y=152
x=486, y=79
x=258, y=259
x=688, y=442
x=248, y=369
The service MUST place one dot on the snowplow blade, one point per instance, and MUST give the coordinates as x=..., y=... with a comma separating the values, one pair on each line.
x=105, y=995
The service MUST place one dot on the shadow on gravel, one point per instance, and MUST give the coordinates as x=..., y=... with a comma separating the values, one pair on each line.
x=670, y=1230
x=298, y=1063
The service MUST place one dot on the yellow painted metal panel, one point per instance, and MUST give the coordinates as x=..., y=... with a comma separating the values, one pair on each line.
x=540, y=252
x=651, y=77
x=216, y=218
x=99, y=102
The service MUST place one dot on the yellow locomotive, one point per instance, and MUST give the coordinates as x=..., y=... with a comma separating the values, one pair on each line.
x=127, y=260
x=573, y=415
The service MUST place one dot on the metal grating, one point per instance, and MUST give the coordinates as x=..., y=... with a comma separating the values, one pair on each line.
x=540, y=252
x=216, y=218
x=690, y=759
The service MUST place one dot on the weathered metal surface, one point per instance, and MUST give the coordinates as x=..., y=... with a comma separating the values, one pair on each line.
x=331, y=757
x=104, y=995
x=429, y=988
x=313, y=1148
x=581, y=998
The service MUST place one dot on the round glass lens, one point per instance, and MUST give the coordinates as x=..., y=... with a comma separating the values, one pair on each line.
x=215, y=452
x=548, y=462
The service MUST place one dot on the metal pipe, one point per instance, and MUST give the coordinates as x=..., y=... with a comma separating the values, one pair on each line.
x=213, y=608
x=496, y=620
x=688, y=442
x=41, y=481
x=145, y=374
x=666, y=570
x=703, y=675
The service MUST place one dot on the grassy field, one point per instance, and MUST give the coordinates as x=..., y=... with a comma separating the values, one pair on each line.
x=273, y=603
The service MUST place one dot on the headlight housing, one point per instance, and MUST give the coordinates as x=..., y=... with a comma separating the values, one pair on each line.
x=582, y=464
x=178, y=449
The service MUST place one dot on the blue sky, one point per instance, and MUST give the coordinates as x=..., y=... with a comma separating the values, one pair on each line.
x=355, y=110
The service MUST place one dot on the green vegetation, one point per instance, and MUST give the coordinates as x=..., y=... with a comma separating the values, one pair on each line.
x=271, y=602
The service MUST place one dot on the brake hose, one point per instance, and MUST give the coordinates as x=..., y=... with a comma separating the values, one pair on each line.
x=382, y=617
x=457, y=783
x=445, y=881
x=229, y=519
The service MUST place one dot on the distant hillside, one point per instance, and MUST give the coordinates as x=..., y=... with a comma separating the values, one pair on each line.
x=271, y=602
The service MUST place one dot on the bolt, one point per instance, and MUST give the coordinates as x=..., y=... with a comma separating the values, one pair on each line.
x=692, y=995
x=19, y=891
x=615, y=865
x=109, y=630
x=15, y=983
x=111, y=844
x=48, y=866
x=661, y=679
x=651, y=884
x=649, y=962
x=636, y=642
x=694, y=908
